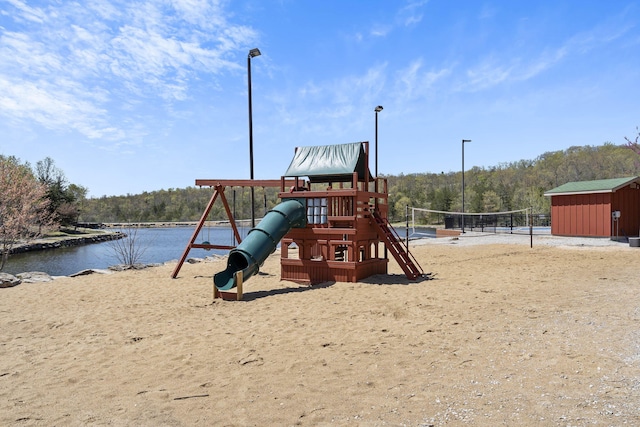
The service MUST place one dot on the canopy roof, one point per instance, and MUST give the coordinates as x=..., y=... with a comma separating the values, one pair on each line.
x=329, y=163
x=596, y=186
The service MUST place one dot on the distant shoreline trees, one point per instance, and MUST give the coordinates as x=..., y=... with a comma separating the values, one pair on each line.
x=507, y=186
x=510, y=186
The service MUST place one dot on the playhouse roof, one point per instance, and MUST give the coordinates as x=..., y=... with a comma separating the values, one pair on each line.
x=596, y=186
x=328, y=163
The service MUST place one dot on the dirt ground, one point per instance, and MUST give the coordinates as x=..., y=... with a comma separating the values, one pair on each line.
x=504, y=334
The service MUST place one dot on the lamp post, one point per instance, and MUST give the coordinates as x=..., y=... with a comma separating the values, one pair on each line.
x=463, y=141
x=377, y=110
x=252, y=53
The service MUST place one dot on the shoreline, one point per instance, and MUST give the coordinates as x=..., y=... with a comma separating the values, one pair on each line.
x=172, y=224
x=54, y=242
x=453, y=239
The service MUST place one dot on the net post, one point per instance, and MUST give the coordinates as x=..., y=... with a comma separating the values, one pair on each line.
x=530, y=226
x=406, y=215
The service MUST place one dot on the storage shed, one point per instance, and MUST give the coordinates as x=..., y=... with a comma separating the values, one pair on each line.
x=600, y=208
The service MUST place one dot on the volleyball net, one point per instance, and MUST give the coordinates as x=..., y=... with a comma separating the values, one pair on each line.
x=422, y=222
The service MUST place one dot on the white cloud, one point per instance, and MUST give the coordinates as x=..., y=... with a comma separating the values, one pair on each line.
x=407, y=16
x=28, y=13
x=204, y=13
x=104, y=9
x=487, y=12
x=381, y=30
x=506, y=67
x=53, y=106
x=23, y=55
x=110, y=50
x=487, y=74
x=413, y=82
x=411, y=13
x=321, y=108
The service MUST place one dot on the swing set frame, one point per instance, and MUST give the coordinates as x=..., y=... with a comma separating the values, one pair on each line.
x=219, y=186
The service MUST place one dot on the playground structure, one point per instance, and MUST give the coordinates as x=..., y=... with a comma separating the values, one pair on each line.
x=331, y=224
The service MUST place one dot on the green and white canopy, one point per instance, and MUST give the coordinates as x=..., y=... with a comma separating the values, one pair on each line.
x=329, y=163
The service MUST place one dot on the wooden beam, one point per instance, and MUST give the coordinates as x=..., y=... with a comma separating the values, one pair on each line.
x=203, y=219
x=243, y=182
x=218, y=191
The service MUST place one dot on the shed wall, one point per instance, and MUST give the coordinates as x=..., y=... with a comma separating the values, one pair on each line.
x=627, y=201
x=581, y=215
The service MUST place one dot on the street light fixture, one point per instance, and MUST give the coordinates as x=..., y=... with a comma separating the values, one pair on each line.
x=377, y=110
x=252, y=54
x=463, y=141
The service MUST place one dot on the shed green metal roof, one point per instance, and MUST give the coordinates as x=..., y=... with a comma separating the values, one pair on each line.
x=329, y=162
x=595, y=186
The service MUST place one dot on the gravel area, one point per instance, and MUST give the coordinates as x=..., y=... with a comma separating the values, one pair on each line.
x=476, y=238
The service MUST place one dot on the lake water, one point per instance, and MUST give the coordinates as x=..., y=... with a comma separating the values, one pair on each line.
x=160, y=245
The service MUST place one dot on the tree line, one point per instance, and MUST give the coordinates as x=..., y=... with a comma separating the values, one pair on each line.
x=514, y=185
x=175, y=205
x=506, y=186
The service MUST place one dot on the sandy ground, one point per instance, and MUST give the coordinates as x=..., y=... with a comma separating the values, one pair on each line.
x=505, y=334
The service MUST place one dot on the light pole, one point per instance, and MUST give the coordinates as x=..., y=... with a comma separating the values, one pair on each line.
x=463, y=141
x=377, y=110
x=252, y=53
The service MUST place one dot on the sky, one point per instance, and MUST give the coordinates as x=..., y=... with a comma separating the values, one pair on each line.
x=131, y=96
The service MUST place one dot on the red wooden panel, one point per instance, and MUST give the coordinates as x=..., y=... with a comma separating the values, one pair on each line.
x=572, y=216
x=561, y=220
x=627, y=201
x=581, y=201
x=599, y=226
x=590, y=214
x=633, y=226
x=607, y=214
x=587, y=213
x=604, y=215
x=555, y=209
x=561, y=213
x=567, y=215
x=594, y=214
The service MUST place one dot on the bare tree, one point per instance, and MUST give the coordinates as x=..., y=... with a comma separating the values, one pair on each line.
x=24, y=212
x=634, y=145
x=128, y=250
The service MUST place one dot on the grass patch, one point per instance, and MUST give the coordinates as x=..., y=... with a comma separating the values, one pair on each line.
x=64, y=233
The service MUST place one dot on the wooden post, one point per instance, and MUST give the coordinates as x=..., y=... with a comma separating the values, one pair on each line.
x=238, y=279
x=203, y=219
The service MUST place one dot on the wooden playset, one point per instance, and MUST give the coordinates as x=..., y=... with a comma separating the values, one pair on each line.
x=331, y=225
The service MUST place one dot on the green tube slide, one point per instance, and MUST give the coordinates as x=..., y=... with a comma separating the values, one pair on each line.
x=261, y=242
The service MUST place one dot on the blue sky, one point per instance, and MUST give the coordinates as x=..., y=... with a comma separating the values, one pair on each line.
x=132, y=96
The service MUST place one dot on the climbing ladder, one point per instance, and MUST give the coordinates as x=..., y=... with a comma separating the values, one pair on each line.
x=397, y=248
